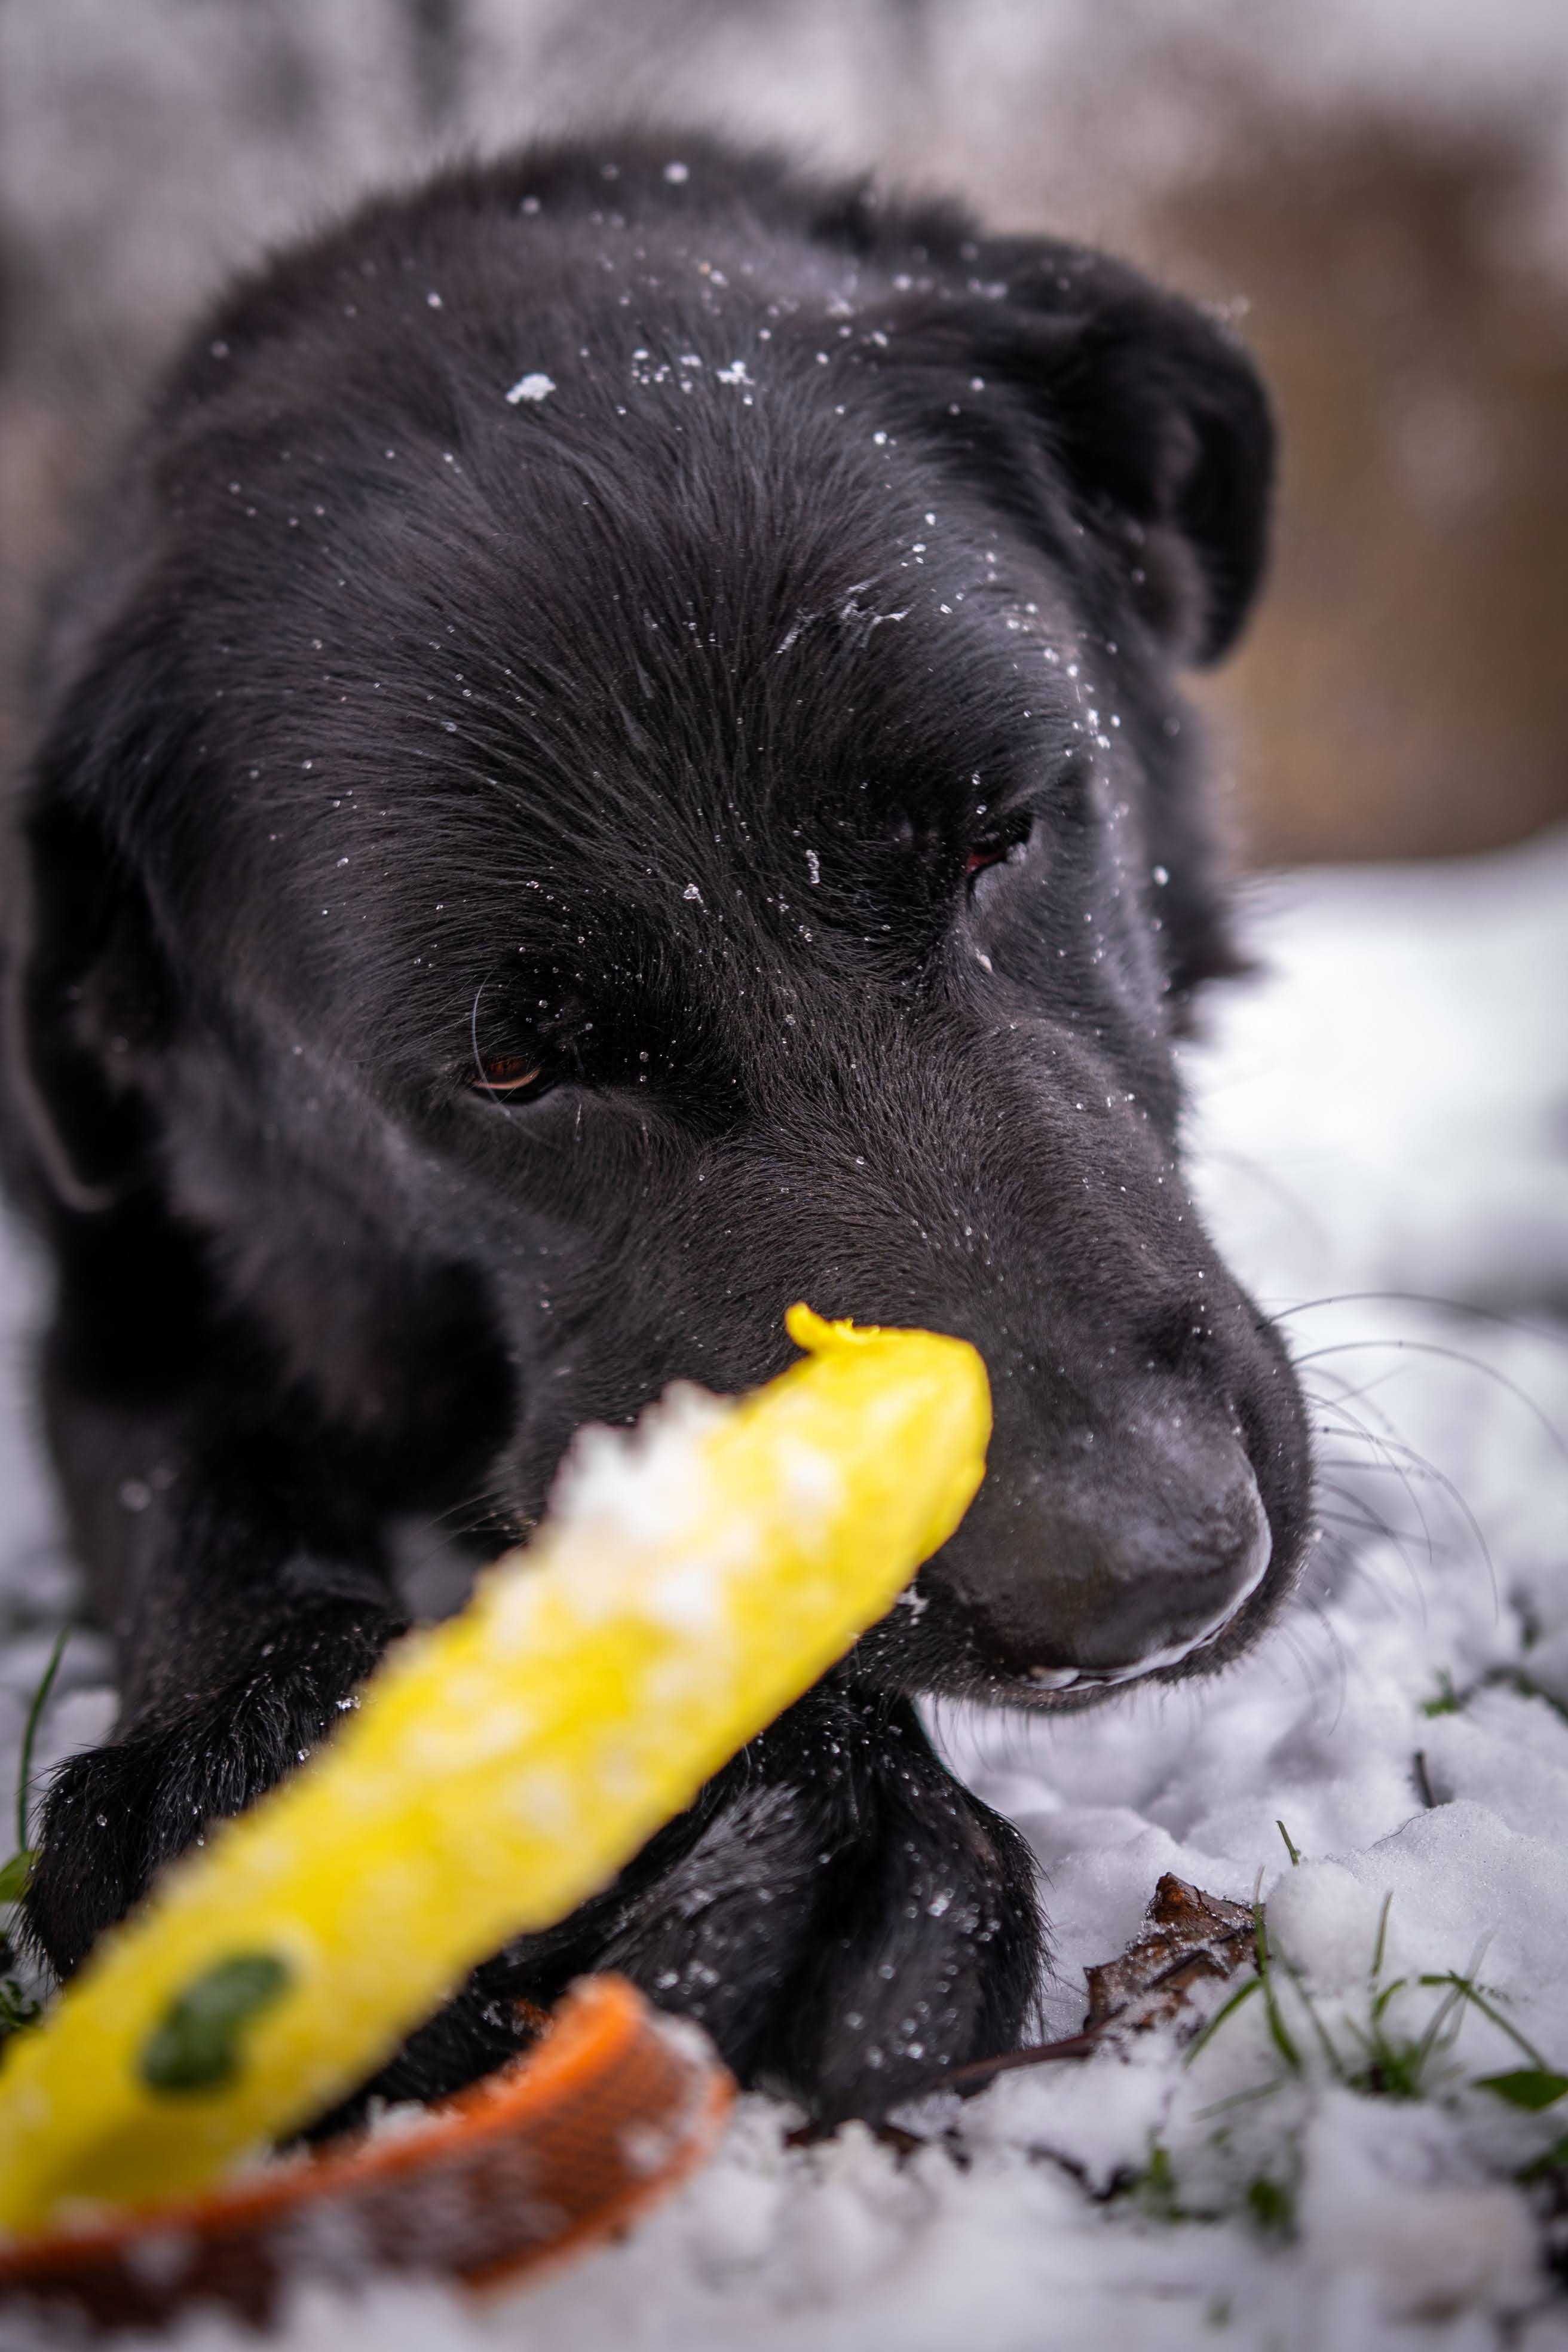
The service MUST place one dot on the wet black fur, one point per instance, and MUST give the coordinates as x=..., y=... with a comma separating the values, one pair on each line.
x=649, y=729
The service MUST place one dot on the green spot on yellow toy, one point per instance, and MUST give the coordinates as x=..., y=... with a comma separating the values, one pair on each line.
x=196, y=2044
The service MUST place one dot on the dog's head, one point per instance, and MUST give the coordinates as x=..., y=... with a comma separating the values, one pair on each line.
x=621, y=769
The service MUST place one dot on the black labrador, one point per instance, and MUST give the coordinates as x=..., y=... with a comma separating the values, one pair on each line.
x=614, y=763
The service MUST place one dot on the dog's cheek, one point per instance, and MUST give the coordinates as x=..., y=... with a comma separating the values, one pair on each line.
x=394, y=1349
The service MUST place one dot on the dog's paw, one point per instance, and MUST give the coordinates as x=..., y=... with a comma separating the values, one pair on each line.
x=926, y=1953
x=841, y=1915
x=115, y=1814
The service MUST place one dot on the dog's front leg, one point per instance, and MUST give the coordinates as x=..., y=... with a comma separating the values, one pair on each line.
x=243, y=1623
x=842, y=1915
x=929, y=1943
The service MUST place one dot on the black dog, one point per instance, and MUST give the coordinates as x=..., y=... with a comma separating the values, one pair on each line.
x=614, y=765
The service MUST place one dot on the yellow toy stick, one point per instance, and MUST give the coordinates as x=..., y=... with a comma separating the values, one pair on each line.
x=694, y=1578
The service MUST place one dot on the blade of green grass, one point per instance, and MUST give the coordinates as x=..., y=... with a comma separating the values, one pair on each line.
x=1381, y=1944
x=1466, y=1990
x=1227, y=2008
x=1278, y=2032
x=35, y=1715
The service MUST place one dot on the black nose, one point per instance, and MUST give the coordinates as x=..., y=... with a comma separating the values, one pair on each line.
x=1117, y=1550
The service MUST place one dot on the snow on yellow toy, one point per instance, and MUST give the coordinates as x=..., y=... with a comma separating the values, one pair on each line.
x=693, y=1579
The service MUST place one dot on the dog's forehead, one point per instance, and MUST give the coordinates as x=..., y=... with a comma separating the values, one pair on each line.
x=636, y=662
x=489, y=701
x=685, y=807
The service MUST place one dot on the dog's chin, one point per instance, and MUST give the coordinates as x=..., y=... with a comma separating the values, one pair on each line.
x=1032, y=1693
x=1046, y=1691
x=1041, y=1693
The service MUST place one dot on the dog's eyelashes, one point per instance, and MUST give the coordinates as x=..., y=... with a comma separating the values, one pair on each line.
x=1003, y=849
x=511, y=1075
x=1002, y=843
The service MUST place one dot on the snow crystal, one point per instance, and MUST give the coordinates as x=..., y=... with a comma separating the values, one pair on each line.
x=536, y=386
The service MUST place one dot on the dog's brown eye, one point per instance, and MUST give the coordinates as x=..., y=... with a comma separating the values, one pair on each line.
x=1004, y=850
x=508, y=1074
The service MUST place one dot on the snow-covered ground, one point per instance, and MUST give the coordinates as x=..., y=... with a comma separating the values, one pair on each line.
x=1382, y=1133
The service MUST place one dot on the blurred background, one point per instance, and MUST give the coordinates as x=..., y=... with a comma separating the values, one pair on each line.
x=1377, y=190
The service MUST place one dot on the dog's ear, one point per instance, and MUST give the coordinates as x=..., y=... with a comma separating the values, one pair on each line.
x=1074, y=365
x=83, y=1003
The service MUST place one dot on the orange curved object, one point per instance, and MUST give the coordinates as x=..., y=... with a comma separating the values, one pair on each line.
x=570, y=2141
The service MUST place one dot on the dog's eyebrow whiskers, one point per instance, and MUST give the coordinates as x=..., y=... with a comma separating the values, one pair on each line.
x=494, y=1093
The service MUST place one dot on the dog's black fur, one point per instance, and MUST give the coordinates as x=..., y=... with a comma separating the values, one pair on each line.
x=768, y=733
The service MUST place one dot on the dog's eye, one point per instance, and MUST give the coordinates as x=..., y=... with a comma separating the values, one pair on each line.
x=997, y=849
x=511, y=1075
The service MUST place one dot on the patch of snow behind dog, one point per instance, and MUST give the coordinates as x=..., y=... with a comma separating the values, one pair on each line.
x=1383, y=1111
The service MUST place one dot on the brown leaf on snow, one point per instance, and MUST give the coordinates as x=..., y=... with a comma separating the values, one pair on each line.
x=1189, y=1939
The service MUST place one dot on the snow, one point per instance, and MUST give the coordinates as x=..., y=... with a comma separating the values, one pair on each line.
x=1380, y=1131
x=617, y=1487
